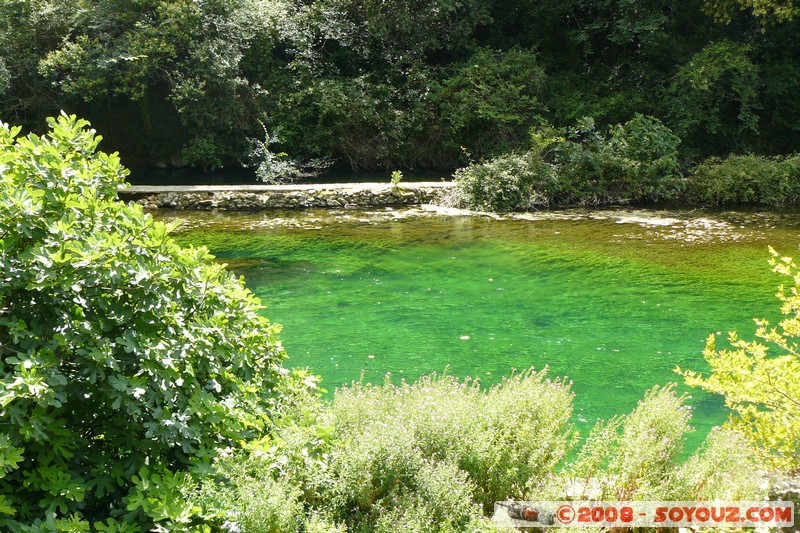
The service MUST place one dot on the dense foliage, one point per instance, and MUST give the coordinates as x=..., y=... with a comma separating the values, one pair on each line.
x=760, y=379
x=434, y=456
x=400, y=83
x=126, y=361
x=631, y=162
x=746, y=179
x=510, y=182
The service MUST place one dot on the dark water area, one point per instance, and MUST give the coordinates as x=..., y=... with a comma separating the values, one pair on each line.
x=614, y=299
x=243, y=176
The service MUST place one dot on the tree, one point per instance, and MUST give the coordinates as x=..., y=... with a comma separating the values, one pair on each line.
x=28, y=30
x=634, y=161
x=128, y=361
x=767, y=11
x=395, y=32
x=490, y=103
x=762, y=387
x=713, y=98
x=177, y=67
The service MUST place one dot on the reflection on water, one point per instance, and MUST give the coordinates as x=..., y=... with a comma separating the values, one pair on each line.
x=614, y=299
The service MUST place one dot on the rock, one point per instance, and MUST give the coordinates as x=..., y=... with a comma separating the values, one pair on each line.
x=282, y=197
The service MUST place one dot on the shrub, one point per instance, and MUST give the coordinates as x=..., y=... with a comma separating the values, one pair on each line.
x=435, y=455
x=760, y=386
x=652, y=436
x=431, y=456
x=505, y=441
x=712, y=99
x=635, y=161
x=724, y=468
x=746, y=179
x=274, y=168
x=442, y=500
x=511, y=182
x=636, y=457
x=631, y=457
x=127, y=361
x=251, y=498
x=277, y=482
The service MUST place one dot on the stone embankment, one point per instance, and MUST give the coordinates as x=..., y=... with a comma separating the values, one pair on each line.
x=257, y=197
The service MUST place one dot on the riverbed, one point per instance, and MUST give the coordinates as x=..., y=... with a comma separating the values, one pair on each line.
x=614, y=299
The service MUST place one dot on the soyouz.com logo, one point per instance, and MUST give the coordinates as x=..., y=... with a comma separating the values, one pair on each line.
x=644, y=514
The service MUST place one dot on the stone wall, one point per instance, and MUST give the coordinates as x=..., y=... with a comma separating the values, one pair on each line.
x=257, y=197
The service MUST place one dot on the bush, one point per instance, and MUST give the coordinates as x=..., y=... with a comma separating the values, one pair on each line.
x=762, y=387
x=746, y=179
x=523, y=422
x=279, y=482
x=631, y=457
x=431, y=456
x=725, y=468
x=636, y=161
x=651, y=438
x=251, y=498
x=127, y=361
x=633, y=162
x=635, y=457
x=511, y=182
x=435, y=455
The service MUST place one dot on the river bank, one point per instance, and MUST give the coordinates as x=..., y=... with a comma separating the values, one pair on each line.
x=259, y=197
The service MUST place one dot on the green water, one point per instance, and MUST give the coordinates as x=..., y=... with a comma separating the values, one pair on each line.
x=612, y=299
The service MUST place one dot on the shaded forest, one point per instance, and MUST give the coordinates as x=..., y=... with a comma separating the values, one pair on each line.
x=401, y=84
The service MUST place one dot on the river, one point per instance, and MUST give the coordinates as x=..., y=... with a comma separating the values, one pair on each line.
x=614, y=299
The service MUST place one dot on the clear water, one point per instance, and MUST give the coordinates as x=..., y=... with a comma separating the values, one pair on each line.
x=612, y=299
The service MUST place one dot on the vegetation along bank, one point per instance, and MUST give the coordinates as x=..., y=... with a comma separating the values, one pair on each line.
x=142, y=389
x=584, y=101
